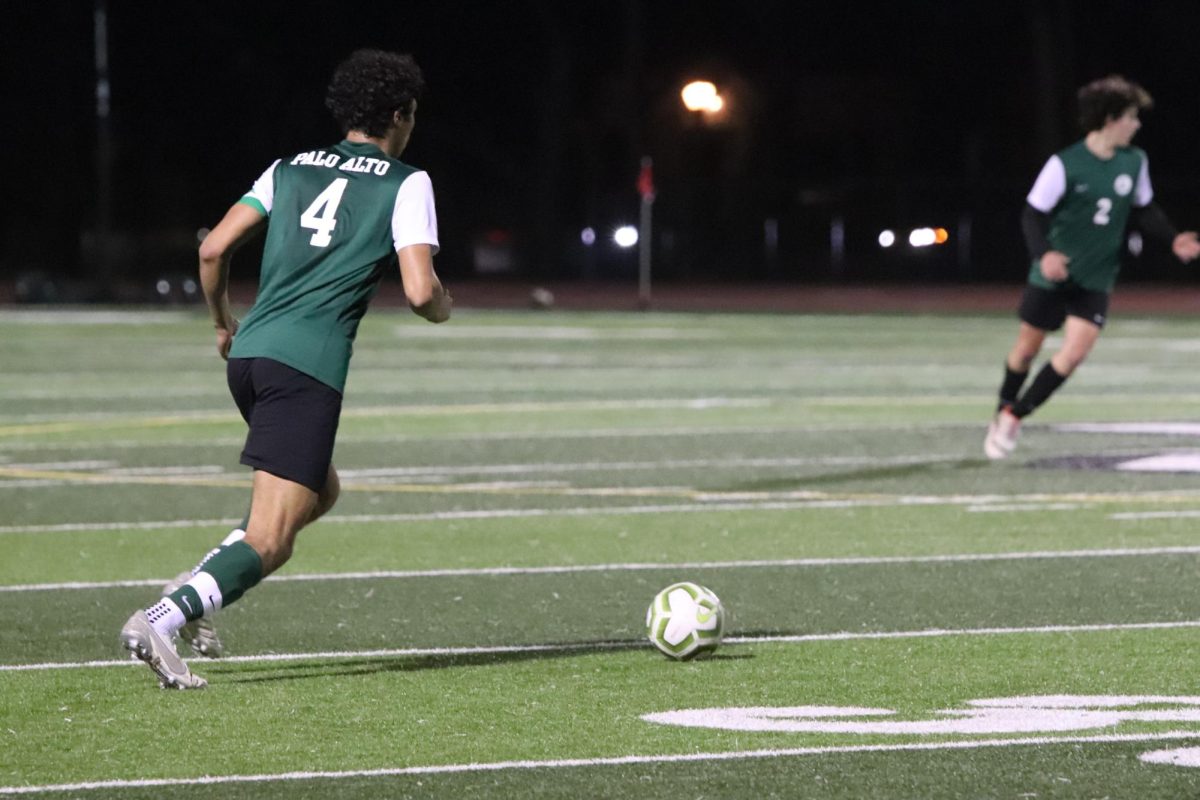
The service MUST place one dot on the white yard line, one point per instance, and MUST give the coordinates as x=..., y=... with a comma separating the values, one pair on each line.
x=597, y=433
x=586, y=647
x=15, y=423
x=718, y=502
x=955, y=558
x=1136, y=515
x=523, y=468
x=562, y=763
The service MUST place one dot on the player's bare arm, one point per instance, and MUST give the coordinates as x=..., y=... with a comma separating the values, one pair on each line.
x=425, y=293
x=239, y=225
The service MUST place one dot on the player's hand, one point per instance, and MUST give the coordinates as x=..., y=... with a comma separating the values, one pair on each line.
x=1186, y=246
x=1054, y=266
x=225, y=339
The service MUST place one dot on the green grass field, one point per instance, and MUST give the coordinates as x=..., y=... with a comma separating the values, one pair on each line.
x=468, y=621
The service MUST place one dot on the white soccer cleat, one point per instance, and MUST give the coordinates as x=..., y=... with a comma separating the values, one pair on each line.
x=200, y=634
x=143, y=642
x=1002, y=435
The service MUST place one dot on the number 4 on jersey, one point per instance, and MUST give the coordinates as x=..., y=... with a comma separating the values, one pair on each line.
x=320, y=215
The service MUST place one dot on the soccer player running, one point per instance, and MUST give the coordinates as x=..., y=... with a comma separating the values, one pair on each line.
x=1074, y=224
x=335, y=219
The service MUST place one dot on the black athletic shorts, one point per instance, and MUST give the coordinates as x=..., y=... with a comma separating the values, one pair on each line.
x=1046, y=309
x=293, y=419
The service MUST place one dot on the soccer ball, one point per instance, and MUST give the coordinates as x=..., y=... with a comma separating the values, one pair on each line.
x=685, y=620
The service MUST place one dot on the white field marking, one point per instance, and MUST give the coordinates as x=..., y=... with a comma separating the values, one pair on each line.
x=991, y=716
x=838, y=561
x=77, y=316
x=69, y=465
x=1008, y=508
x=156, y=392
x=676, y=758
x=1136, y=515
x=815, y=500
x=1166, y=462
x=29, y=424
x=929, y=633
x=1151, y=428
x=557, y=333
x=938, y=632
x=1178, y=757
x=597, y=433
x=600, y=466
x=201, y=469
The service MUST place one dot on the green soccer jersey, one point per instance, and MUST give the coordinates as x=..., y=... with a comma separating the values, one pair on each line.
x=337, y=218
x=1089, y=200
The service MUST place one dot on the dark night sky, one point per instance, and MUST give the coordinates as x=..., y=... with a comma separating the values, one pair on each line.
x=537, y=112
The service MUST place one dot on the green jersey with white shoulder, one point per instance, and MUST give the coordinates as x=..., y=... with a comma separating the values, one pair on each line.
x=337, y=216
x=1089, y=200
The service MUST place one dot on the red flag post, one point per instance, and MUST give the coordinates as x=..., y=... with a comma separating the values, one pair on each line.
x=645, y=187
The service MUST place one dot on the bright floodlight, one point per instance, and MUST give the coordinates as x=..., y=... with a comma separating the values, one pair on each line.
x=887, y=238
x=922, y=237
x=702, y=96
x=625, y=236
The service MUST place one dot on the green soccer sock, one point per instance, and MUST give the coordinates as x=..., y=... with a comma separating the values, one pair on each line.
x=223, y=578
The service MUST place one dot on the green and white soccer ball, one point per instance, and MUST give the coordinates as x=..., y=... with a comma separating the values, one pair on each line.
x=685, y=620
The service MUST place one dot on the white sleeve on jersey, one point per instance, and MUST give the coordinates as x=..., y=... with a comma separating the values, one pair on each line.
x=264, y=188
x=414, y=219
x=1143, y=191
x=1050, y=186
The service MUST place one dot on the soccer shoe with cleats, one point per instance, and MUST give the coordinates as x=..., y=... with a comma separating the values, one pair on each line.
x=143, y=643
x=200, y=634
x=1002, y=435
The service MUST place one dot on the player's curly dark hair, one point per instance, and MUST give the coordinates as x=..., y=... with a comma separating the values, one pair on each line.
x=1110, y=97
x=369, y=87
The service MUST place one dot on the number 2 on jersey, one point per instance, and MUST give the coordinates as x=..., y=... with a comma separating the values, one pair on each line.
x=320, y=215
x=1103, y=206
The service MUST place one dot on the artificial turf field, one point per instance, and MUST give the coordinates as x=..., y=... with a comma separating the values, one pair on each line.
x=517, y=486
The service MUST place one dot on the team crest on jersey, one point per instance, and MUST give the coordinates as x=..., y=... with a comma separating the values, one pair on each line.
x=1123, y=185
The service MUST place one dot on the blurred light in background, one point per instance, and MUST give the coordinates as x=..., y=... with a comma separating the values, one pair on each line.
x=702, y=96
x=924, y=237
x=625, y=236
x=588, y=236
x=887, y=238
x=1135, y=243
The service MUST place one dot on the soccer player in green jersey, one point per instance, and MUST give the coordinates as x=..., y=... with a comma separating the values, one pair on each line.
x=1074, y=223
x=335, y=218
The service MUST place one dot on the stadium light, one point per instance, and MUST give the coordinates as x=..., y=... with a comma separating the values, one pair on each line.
x=924, y=237
x=702, y=96
x=588, y=236
x=625, y=236
x=887, y=238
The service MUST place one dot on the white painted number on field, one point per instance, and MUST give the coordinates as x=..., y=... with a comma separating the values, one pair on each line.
x=320, y=215
x=1103, y=207
x=1053, y=713
x=1179, y=757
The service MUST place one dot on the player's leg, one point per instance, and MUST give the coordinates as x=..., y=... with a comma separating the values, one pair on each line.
x=1079, y=337
x=1041, y=311
x=327, y=497
x=278, y=512
x=293, y=422
x=1016, y=364
x=201, y=634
